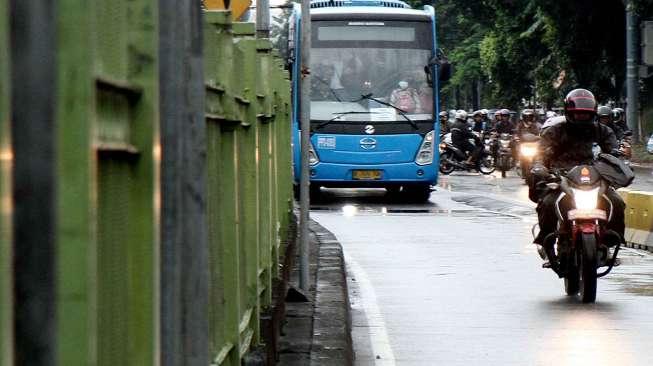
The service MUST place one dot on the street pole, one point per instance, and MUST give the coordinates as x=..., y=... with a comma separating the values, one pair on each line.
x=305, y=115
x=632, y=75
x=33, y=133
x=184, y=309
x=263, y=18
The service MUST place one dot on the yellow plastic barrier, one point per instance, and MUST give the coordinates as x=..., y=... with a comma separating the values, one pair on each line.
x=237, y=7
x=639, y=218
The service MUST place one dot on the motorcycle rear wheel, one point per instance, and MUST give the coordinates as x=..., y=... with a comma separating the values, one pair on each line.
x=587, y=270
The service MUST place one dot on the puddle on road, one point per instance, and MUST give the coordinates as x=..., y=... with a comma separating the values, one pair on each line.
x=634, y=275
x=355, y=210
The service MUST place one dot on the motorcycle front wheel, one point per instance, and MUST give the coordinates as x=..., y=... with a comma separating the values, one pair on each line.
x=486, y=165
x=588, y=265
x=445, y=166
x=572, y=281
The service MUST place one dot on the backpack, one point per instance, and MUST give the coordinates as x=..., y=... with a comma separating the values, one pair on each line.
x=406, y=100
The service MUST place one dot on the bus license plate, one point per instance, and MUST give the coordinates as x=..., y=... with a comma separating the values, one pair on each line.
x=366, y=174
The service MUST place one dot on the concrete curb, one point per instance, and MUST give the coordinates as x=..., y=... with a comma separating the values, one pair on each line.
x=332, y=343
x=318, y=332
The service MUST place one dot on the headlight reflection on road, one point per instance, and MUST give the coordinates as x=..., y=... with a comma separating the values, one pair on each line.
x=585, y=337
x=349, y=210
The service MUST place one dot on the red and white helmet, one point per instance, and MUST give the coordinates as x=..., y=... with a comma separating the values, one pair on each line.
x=580, y=106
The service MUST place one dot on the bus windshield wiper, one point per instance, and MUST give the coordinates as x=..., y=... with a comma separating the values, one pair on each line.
x=329, y=86
x=399, y=110
x=340, y=114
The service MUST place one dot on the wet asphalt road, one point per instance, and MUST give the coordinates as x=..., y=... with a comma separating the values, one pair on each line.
x=457, y=282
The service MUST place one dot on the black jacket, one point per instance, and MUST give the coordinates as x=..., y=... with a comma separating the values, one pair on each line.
x=566, y=146
x=460, y=133
x=504, y=127
x=618, y=130
x=478, y=126
x=534, y=129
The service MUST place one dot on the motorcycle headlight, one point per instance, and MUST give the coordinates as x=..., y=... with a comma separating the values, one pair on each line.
x=586, y=200
x=528, y=151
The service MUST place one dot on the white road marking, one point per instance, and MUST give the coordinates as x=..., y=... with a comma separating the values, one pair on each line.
x=379, y=340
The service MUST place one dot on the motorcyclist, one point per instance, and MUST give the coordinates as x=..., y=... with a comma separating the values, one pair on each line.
x=619, y=119
x=444, y=122
x=460, y=136
x=481, y=124
x=528, y=124
x=486, y=118
x=604, y=114
x=504, y=125
x=541, y=116
x=564, y=146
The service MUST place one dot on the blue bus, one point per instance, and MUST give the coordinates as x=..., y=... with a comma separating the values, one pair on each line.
x=375, y=70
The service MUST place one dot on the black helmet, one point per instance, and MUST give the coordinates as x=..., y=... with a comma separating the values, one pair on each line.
x=580, y=107
x=604, y=111
x=443, y=114
x=617, y=114
x=528, y=115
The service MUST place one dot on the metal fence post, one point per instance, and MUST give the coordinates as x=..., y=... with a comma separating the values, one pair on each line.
x=76, y=245
x=305, y=123
x=6, y=159
x=632, y=69
x=33, y=83
x=248, y=145
x=184, y=249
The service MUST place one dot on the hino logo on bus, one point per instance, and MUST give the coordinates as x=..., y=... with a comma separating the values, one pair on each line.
x=368, y=143
x=369, y=129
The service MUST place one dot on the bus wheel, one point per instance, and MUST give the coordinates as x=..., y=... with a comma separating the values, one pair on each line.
x=418, y=193
x=393, y=190
x=295, y=191
x=315, y=193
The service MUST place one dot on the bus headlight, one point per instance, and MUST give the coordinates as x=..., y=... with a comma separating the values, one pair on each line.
x=586, y=200
x=312, y=156
x=425, y=153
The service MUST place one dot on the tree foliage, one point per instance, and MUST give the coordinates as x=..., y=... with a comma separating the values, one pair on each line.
x=532, y=51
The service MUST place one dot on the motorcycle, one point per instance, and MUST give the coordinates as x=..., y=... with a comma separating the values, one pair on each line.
x=528, y=145
x=583, y=244
x=626, y=149
x=452, y=158
x=504, y=154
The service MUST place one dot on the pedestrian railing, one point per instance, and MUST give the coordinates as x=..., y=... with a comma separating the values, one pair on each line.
x=108, y=210
x=250, y=186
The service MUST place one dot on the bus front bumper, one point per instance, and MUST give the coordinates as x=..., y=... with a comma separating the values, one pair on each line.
x=381, y=175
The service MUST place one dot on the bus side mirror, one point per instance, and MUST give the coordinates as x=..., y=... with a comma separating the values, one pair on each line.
x=445, y=71
x=444, y=68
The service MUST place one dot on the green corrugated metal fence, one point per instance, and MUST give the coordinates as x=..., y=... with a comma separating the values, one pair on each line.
x=108, y=158
x=249, y=179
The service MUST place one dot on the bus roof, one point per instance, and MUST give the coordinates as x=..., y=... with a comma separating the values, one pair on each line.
x=358, y=11
x=347, y=3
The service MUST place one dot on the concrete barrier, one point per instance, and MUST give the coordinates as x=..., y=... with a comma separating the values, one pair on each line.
x=639, y=218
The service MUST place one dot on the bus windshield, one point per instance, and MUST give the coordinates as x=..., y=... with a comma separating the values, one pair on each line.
x=370, y=71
